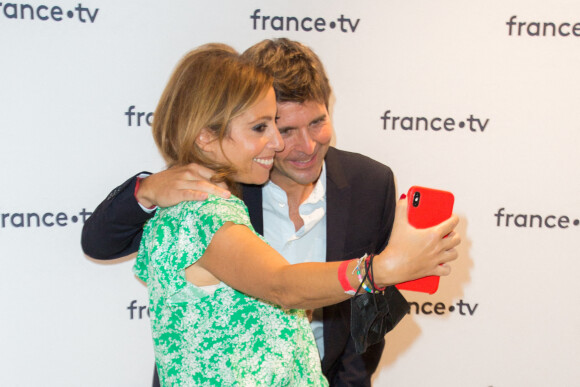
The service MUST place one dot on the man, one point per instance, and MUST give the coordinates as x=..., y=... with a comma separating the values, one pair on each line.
x=321, y=203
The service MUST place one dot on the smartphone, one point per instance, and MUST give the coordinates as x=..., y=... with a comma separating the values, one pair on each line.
x=427, y=207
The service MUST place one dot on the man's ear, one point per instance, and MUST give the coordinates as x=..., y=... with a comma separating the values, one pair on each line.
x=206, y=140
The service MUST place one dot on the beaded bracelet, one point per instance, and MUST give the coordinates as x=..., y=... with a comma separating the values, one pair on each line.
x=359, y=261
x=362, y=278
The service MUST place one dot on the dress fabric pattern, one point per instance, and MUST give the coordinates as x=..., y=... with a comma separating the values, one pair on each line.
x=222, y=339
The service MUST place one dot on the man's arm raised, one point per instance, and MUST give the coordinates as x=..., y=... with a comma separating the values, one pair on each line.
x=114, y=229
x=178, y=184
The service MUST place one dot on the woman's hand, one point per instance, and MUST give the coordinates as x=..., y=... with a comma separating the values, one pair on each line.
x=415, y=253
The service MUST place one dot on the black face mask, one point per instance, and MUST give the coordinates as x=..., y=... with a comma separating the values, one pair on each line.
x=373, y=315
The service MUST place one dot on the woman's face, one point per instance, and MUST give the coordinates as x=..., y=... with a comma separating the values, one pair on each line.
x=252, y=142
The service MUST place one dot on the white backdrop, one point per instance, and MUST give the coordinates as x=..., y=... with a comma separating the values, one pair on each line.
x=506, y=102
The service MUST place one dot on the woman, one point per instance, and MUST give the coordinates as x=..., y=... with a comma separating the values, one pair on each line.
x=215, y=287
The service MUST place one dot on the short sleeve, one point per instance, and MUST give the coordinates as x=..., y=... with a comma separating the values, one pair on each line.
x=178, y=236
x=200, y=225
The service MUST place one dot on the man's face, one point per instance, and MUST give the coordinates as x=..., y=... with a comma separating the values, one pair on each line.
x=306, y=130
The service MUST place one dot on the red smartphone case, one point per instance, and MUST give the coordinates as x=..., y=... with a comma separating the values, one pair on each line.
x=427, y=207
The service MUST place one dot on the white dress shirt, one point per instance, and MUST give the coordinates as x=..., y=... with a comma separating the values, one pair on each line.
x=305, y=245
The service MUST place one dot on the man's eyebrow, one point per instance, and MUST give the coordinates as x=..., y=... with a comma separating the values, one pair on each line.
x=321, y=117
x=286, y=128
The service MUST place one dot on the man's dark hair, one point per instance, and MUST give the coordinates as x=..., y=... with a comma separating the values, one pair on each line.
x=298, y=72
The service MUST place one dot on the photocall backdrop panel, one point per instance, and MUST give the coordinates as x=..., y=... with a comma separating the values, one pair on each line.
x=479, y=98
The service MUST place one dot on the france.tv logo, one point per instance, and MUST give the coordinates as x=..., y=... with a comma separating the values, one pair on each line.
x=44, y=12
x=307, y=24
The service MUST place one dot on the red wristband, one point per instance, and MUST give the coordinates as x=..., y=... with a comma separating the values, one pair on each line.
x=348, y=289
x=137, y=189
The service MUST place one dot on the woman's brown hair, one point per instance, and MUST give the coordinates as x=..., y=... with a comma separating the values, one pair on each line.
x=209, y=87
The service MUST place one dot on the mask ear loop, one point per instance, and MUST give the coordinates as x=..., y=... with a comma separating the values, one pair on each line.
x=359, y=287
x=360, y=346
x=369, y=275
x=370, y=270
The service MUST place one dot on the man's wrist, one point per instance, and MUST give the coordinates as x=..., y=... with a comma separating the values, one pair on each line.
x=145, y=204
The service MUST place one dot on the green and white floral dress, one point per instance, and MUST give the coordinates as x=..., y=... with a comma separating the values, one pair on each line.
x=224, y=338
